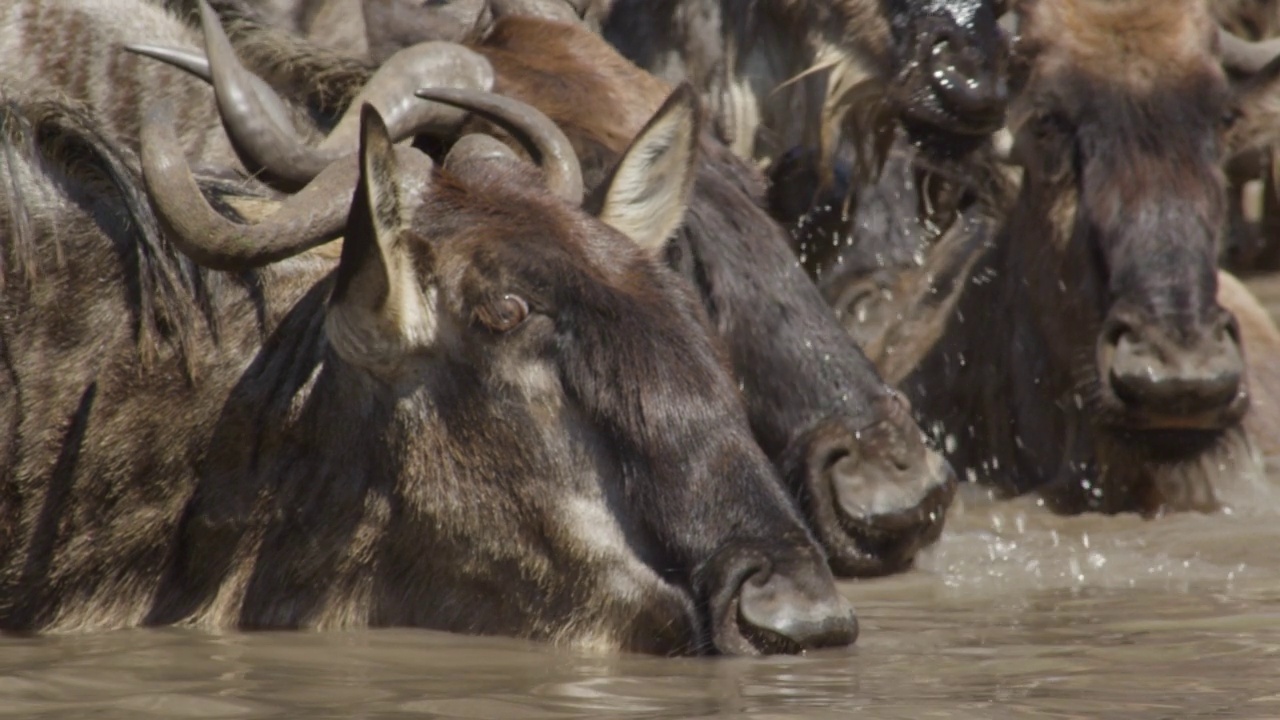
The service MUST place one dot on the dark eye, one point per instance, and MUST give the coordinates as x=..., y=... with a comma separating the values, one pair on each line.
x=503, y=314
x=1229, y=119
x=1051, y=125
x=857, y=301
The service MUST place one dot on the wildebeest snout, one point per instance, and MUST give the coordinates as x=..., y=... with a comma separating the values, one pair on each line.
x=875, y=496
x=771, y=601
x=966, y=77
x=1190, y=378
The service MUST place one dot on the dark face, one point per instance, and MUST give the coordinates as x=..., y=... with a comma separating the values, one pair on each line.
x=1118, y=225
x=871, y=250
x=873, y=491
x=851, y=454
x=603, y=475
x=948, y=62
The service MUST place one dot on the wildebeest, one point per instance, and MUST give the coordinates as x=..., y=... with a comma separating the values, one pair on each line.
x=936, y=65
x=370, y=28
x=75, y=48
x=376, y=29
x=849, y=450
x=873, y=491
x=829, y=93
x=496, y=414
x=1252, y=243
x=1083, y=346
x=893, y=262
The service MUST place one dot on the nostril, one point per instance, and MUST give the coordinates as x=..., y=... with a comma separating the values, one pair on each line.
x=940, y=34
x=964, y=84
x=795, y=611
x=1173, y=380
x=1228, y=329
x=1136, y=376
x=1115, y=330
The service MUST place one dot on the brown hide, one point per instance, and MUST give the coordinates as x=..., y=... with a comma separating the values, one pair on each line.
x=1261, y=342
x=807, y=406
x=779, y=74
x=997, y=335
x=441, y=432
x=76, y=47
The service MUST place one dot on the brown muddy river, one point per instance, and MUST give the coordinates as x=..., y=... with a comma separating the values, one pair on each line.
x=1015, y=613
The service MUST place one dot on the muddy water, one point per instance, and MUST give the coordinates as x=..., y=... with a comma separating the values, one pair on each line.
x=1014, y=614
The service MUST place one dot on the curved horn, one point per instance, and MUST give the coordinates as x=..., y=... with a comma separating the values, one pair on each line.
x=391, y=92
x=258, y=124
x=1244, y=56
x=199, y=67
x=245, y=112
x=541, y=138
x=311, y=217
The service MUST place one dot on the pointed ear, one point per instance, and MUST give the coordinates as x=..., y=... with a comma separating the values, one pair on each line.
x=378, y=309
x=646, y=195
x=1257, y=110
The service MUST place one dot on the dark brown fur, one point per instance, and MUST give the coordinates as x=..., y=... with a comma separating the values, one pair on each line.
x=785, y=73
x=807, y=385
x=1121, y=137
x=275, y=469
x=75, y=47
x=810, y=393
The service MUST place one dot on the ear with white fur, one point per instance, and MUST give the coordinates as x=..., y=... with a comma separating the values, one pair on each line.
x=646, y=195
x=379, y=310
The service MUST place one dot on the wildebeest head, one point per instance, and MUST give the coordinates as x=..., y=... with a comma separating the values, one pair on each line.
x=1122, y=120
x=874, y=491
x=947, y=64
x=572, y=458
x=871, y=198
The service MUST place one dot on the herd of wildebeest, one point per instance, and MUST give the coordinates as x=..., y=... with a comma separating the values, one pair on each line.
x=618, y=324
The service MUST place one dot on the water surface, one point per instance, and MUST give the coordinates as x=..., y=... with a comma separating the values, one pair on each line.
x=1016, y=613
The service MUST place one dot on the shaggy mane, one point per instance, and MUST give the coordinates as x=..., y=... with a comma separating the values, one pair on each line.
x=169, y=295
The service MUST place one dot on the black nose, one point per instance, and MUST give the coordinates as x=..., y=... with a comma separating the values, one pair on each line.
x=773, y=597
x=800, y=606
x=875, y=496
x=1179, y=377
x=968, y=80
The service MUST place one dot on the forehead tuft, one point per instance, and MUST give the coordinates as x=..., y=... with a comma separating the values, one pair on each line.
x=1138, y=43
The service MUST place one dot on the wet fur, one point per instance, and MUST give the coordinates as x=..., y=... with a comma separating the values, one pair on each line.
x=798, y=369
x=134, y=494
x=1007, y=381
x=740, y=53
